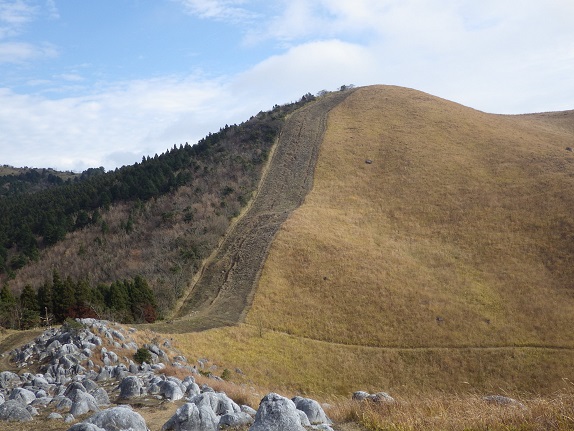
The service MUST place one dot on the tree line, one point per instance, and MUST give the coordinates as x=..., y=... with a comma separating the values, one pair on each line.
x=221, y=171
x=127, y=301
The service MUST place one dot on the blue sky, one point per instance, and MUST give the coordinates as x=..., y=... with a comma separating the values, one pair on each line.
x=103, y=82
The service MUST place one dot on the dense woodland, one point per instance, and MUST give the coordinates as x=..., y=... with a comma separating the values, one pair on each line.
x=188, y=194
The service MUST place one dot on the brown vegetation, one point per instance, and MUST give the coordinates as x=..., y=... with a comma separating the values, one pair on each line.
x=445, y=260
x=448, y=412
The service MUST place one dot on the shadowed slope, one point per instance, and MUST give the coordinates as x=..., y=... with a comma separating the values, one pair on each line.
x=228, y=279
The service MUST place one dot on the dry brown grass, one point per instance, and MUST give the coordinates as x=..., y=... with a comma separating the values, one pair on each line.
x=460, y=412
x=449, y=259
x=462, y=215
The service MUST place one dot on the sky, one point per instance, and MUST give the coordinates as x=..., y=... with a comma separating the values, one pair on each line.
x=104, y=82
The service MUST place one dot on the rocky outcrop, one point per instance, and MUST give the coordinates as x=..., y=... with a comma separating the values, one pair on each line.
x=312, y=410
x=121, y=418
x=191, y=417
x=277, y=413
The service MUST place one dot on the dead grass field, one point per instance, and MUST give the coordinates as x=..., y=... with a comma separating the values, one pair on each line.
x=444, y=264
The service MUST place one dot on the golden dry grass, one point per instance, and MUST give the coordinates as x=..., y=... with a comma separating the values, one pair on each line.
x=447, y=260
x=447, y=412
x=462, y=215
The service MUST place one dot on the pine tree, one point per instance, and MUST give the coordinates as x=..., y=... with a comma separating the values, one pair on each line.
x=142, y=299
x=8, y=309
x=30, y=316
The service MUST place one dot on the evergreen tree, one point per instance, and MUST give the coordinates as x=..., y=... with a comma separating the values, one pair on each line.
x=142, y=299
x=64, y=297
x=45, y=298
x=8, y=310
x=30, y=316
x=118, y=300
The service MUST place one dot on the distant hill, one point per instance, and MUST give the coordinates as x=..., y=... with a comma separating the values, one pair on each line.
x=14, y=181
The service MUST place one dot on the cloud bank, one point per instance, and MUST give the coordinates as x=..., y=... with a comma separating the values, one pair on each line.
x=491, y=55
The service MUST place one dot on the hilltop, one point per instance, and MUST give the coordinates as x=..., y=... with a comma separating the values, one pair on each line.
x=433, y=252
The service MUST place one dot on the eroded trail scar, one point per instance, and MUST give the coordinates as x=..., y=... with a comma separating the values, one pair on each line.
x=227, y=284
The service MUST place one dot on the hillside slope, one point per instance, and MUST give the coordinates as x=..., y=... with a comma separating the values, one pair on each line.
x=460, y=232
x=435, y=248
x=225, y=285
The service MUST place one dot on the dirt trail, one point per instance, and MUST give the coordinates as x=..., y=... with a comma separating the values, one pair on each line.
x=224, y=291
x=12, y=341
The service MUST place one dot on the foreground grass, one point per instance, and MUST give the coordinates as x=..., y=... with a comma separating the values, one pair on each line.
x=463, y=412
x=295, y=365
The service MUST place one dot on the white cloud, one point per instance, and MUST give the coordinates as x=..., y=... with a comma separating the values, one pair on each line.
x=119, y=125
x=306, y=68
x=53, y=12
x=20, y=52
x=225, y=10
x=489, y=55
x=14, y=14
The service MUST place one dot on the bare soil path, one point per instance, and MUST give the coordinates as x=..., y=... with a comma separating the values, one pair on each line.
x=226, y=284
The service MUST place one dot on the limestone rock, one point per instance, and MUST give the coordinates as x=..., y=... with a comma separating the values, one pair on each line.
x=190, y=417
x=15, y=411
x=235, y=419
x=131, y=387
x=121, y=418
x=277, y=413
x=312, y=409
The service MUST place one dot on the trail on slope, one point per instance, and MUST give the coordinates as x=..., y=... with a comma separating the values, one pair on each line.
x=226, y=283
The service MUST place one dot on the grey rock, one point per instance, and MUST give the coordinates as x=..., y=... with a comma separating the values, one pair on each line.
x=15, y=411
x=32, y=410
x=23, y=396
x=171, y=391
x=83, y=426
x=41, y=402
x=8, y=379
x=72, y=387
x=360, y=395
x=218, y=402
x=503, y=401
x=131, y=387
x=249, y=410
x=117, y=334
x=82, y=403
x=101, y=396
x=89, y=385
x=304, y=419
x=381, y=397
x=312, y=409
x=190, y=417
x=63, y=403
x=276, y=413
x=55, y=415
x=192, y=389
x=235, y=419
x=41, y=382
x=104, y=375
x=69, y=418
x=121, y=418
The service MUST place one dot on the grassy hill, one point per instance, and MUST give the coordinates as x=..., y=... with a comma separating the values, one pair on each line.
x=434, y=252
